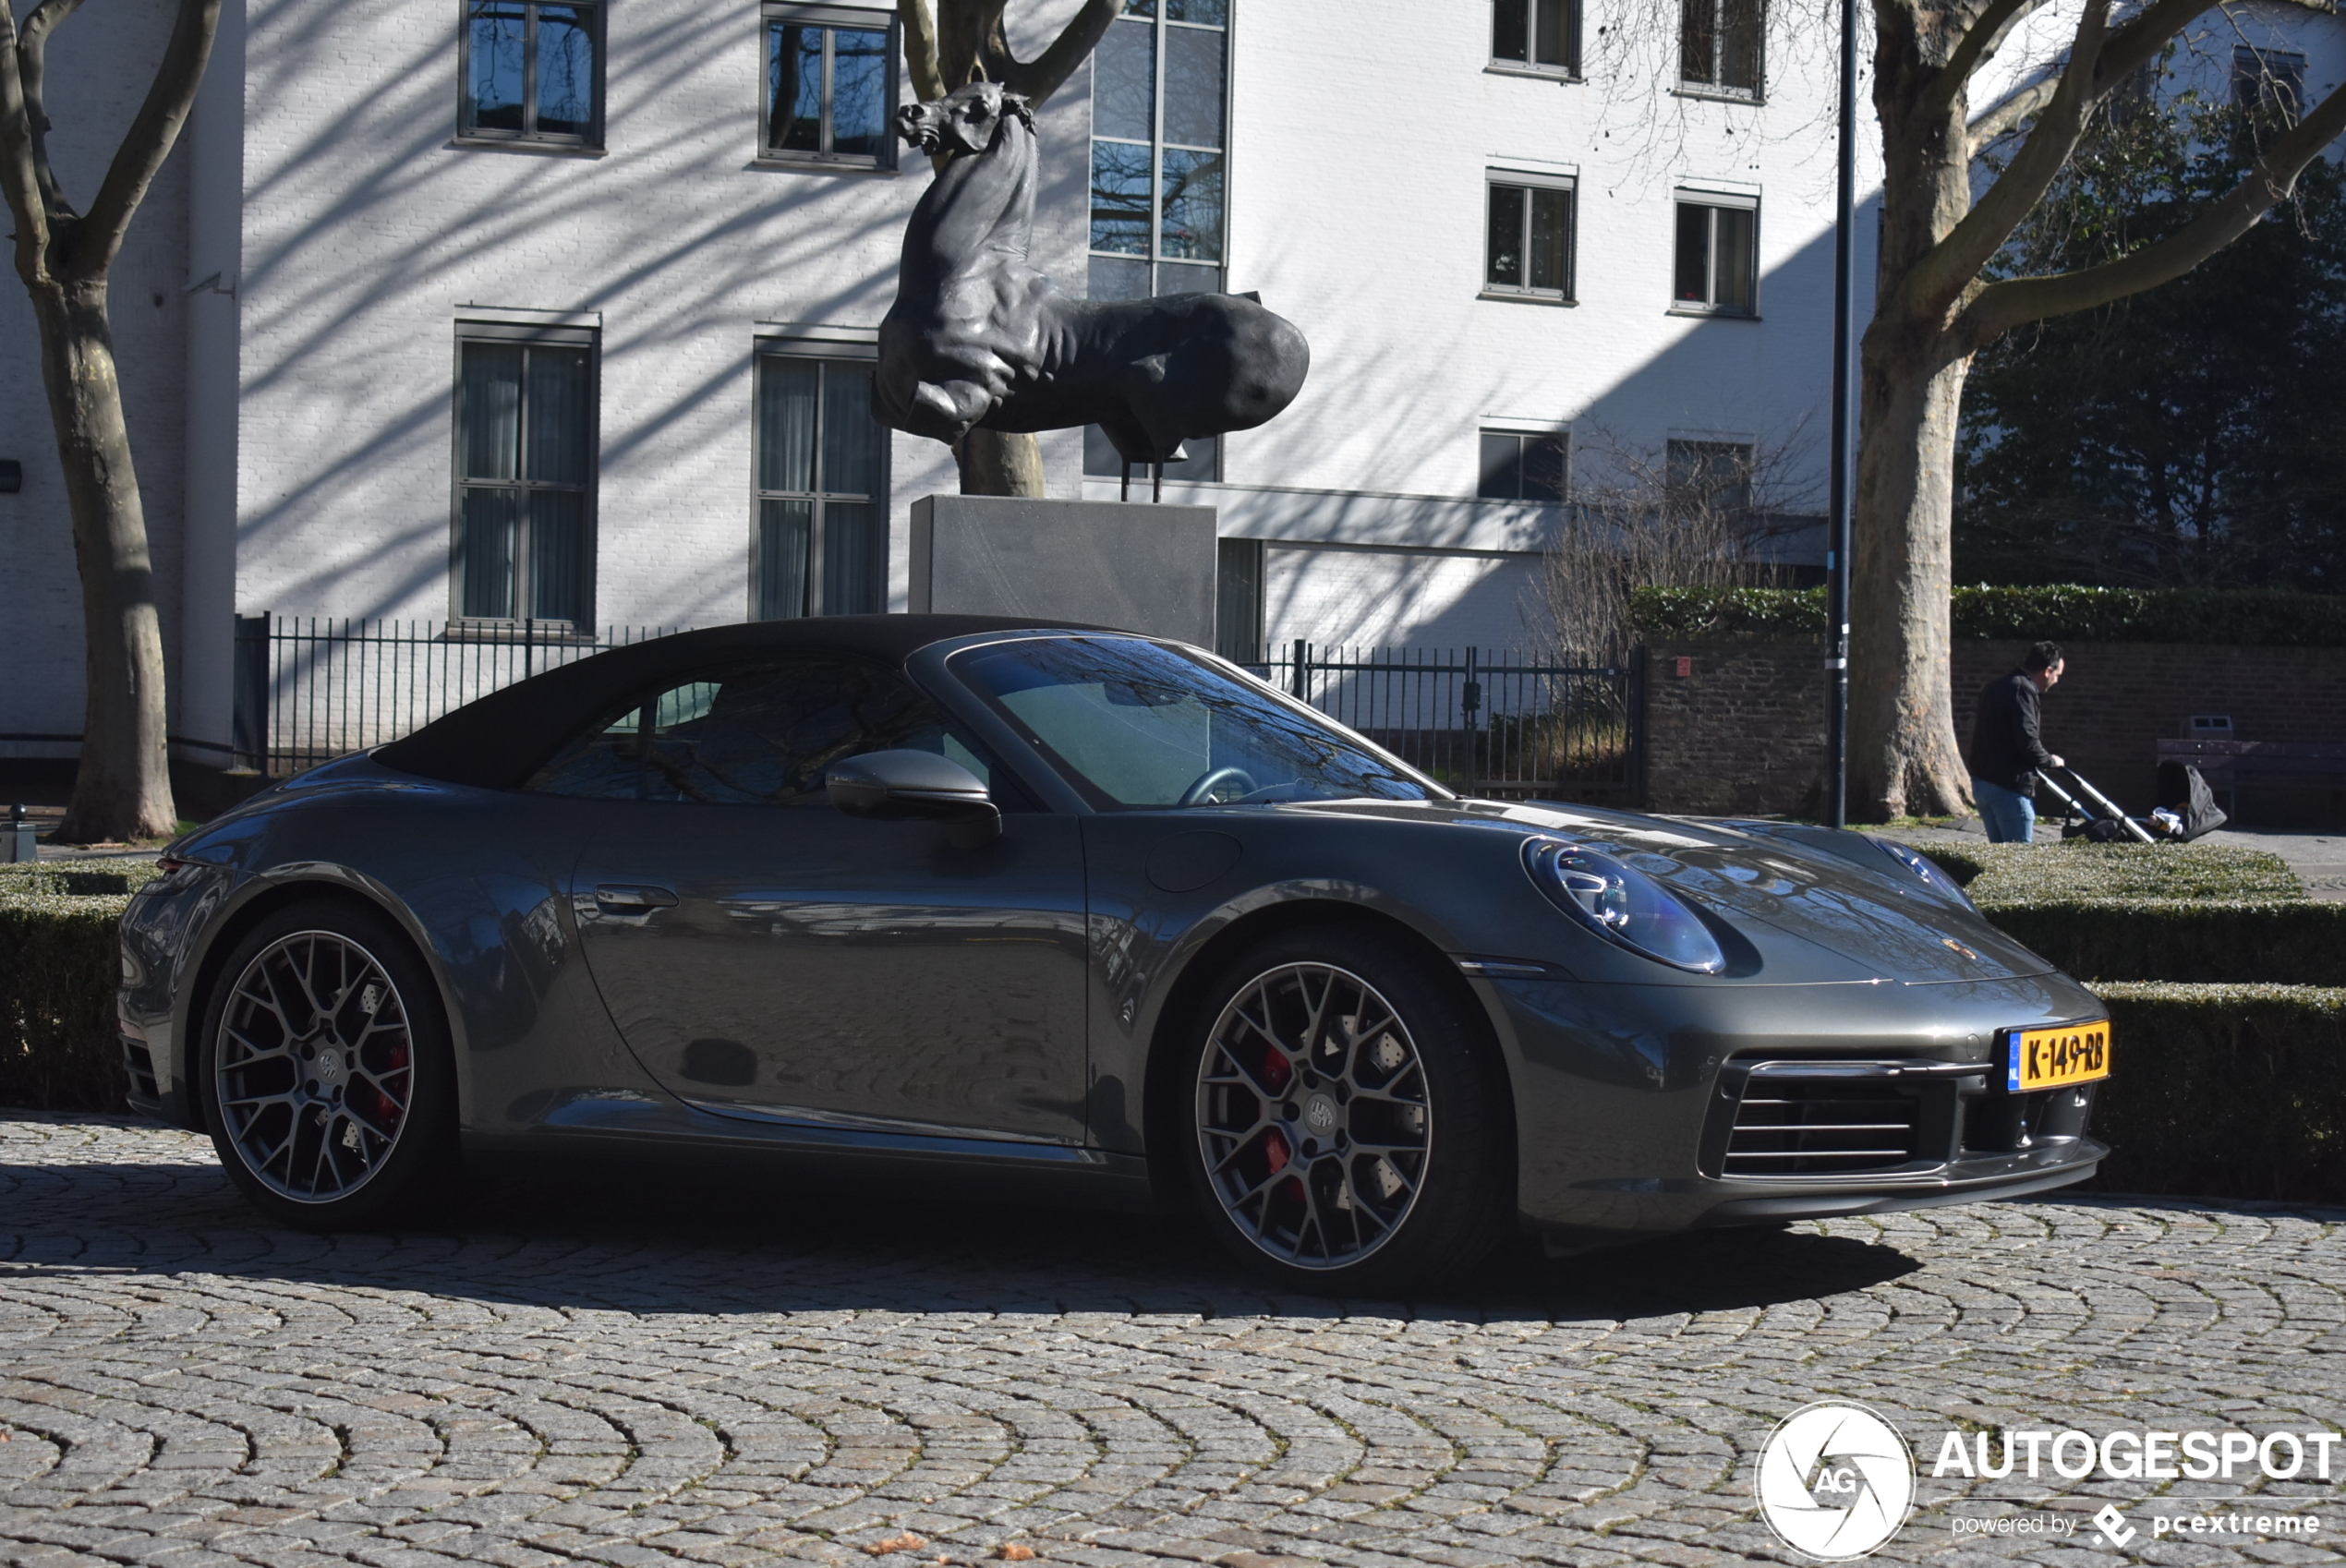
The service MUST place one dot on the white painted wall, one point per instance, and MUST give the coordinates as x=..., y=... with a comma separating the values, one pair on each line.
x=369, y=234
x=1361, y=147
x=357, y=234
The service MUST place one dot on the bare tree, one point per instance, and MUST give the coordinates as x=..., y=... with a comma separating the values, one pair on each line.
x=1943, y=220
x=1703, y=515
x=962, y=41
x=123, y=788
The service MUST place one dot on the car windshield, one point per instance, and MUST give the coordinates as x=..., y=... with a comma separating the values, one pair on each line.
x=1141, y=726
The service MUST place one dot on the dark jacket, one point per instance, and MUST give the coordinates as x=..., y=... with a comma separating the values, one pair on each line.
x=2005, y=748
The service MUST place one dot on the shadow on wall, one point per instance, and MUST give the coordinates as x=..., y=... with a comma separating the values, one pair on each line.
x=730, y=263
x=1765, y=379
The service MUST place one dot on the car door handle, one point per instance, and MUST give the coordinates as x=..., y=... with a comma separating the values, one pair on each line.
x=633, y=899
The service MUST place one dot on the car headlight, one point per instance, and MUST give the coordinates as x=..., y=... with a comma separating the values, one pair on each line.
x=1622, y=905
x=1928, y=870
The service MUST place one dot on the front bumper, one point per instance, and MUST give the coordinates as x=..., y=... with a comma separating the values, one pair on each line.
x=1667, y=1108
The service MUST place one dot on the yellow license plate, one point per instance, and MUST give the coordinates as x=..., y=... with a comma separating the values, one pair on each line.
x=2051, y=1058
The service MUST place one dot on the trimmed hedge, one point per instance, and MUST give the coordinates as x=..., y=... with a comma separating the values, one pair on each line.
x=2060, y=611
x=2186, y=940
x=2225, y=1091
x=2074, y=869
x=59, y=965
x=2199, y=912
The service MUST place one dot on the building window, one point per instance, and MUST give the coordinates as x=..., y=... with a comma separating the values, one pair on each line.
x=2269, y=83
x=533, y=73
x=1238, y=600
x=1718, y=260
x=1536, y=35
x=525, y=508
x=831, y=86
x=1710, y=477
x=1159, y=95
x=1525, y=466
x=1719, y=45
x=821, y=464
x=1529, y=238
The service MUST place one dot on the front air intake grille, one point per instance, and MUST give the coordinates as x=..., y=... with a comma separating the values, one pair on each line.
x=140, y=1067
x=1787, y=1125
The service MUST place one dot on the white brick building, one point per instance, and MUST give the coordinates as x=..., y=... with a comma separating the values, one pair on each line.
x=366, y=213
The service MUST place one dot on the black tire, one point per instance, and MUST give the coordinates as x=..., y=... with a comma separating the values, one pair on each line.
x=328, y=1082
x=1382, y=1160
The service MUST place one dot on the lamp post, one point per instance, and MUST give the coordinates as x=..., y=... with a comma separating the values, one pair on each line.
x=1845, y=426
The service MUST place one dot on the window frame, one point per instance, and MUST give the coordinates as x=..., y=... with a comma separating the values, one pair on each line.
x=1527, y=180
x=1695, y=87
x=1701, y=447
x=490, y=627
x=1096, y=465
x=1713, y=202
x=2264, y=69
x=1567, y=69
x=469, y=134
x=1520, y=433
x=1159, y=145
x=831, y=19
x=828, y=351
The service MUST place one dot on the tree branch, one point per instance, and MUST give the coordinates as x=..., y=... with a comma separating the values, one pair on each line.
x=969, y=42
x=2001, y=306
x=1044, y=74
x=1949, y=267
x=2005, y=115
x=148, y=141
x=32, y=66
x=920, y=49
x=19, y=165
x=1978, y=45
x=2138, y=41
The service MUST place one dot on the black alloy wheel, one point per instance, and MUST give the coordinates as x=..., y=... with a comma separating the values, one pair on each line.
x=326, y=1071
x=1348, y=1124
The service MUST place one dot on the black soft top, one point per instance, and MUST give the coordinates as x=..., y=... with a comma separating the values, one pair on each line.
x=498, y=741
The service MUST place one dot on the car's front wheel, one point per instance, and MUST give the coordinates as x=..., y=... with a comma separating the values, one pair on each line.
x=327, y=1072
x=1347, y=1128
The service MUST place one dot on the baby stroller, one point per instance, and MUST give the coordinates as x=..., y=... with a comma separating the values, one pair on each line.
x=2186, y=809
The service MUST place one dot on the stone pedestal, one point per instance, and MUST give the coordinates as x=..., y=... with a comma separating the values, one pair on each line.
x=1136, y=567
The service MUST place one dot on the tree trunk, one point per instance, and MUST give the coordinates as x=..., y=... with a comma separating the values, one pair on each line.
x=1902, y=756
x=122, y=790
x=1000, y=462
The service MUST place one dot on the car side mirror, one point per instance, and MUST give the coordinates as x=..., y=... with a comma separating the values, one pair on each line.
x=914, y=785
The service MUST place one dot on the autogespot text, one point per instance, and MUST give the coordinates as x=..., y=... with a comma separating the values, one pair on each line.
x=2140, y=1456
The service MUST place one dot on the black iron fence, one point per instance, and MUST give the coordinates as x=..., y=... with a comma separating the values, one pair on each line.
x=310, y=688
x=1493, y=722
x=1485, y=721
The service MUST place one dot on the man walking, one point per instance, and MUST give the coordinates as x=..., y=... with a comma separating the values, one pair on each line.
x=2006, y=750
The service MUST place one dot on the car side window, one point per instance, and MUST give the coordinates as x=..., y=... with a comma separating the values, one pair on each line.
x=762, y=735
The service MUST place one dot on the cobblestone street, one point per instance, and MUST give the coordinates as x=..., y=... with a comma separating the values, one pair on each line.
x=641, y=1372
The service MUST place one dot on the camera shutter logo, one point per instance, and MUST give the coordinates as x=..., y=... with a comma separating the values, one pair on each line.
x=1835, y=1480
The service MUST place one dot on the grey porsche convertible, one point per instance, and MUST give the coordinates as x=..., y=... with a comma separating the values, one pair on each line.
x=961, y=896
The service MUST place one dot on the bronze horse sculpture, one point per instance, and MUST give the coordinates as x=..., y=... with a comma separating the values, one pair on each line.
x=979, y=337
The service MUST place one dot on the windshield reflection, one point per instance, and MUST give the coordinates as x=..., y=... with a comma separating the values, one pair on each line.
x=1138, y=726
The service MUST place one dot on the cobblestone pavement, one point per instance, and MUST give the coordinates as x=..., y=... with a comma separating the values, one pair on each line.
x=640, y=1371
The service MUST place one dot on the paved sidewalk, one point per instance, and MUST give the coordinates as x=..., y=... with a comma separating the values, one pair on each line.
x=645, y=1372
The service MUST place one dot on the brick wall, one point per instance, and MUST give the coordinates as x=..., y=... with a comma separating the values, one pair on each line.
x=1742, y=731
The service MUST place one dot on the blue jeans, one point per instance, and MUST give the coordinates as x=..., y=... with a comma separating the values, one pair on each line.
x=2010, y=817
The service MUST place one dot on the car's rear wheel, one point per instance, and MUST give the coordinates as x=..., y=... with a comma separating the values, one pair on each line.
x=1347, y=1126
x=327, y=1073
